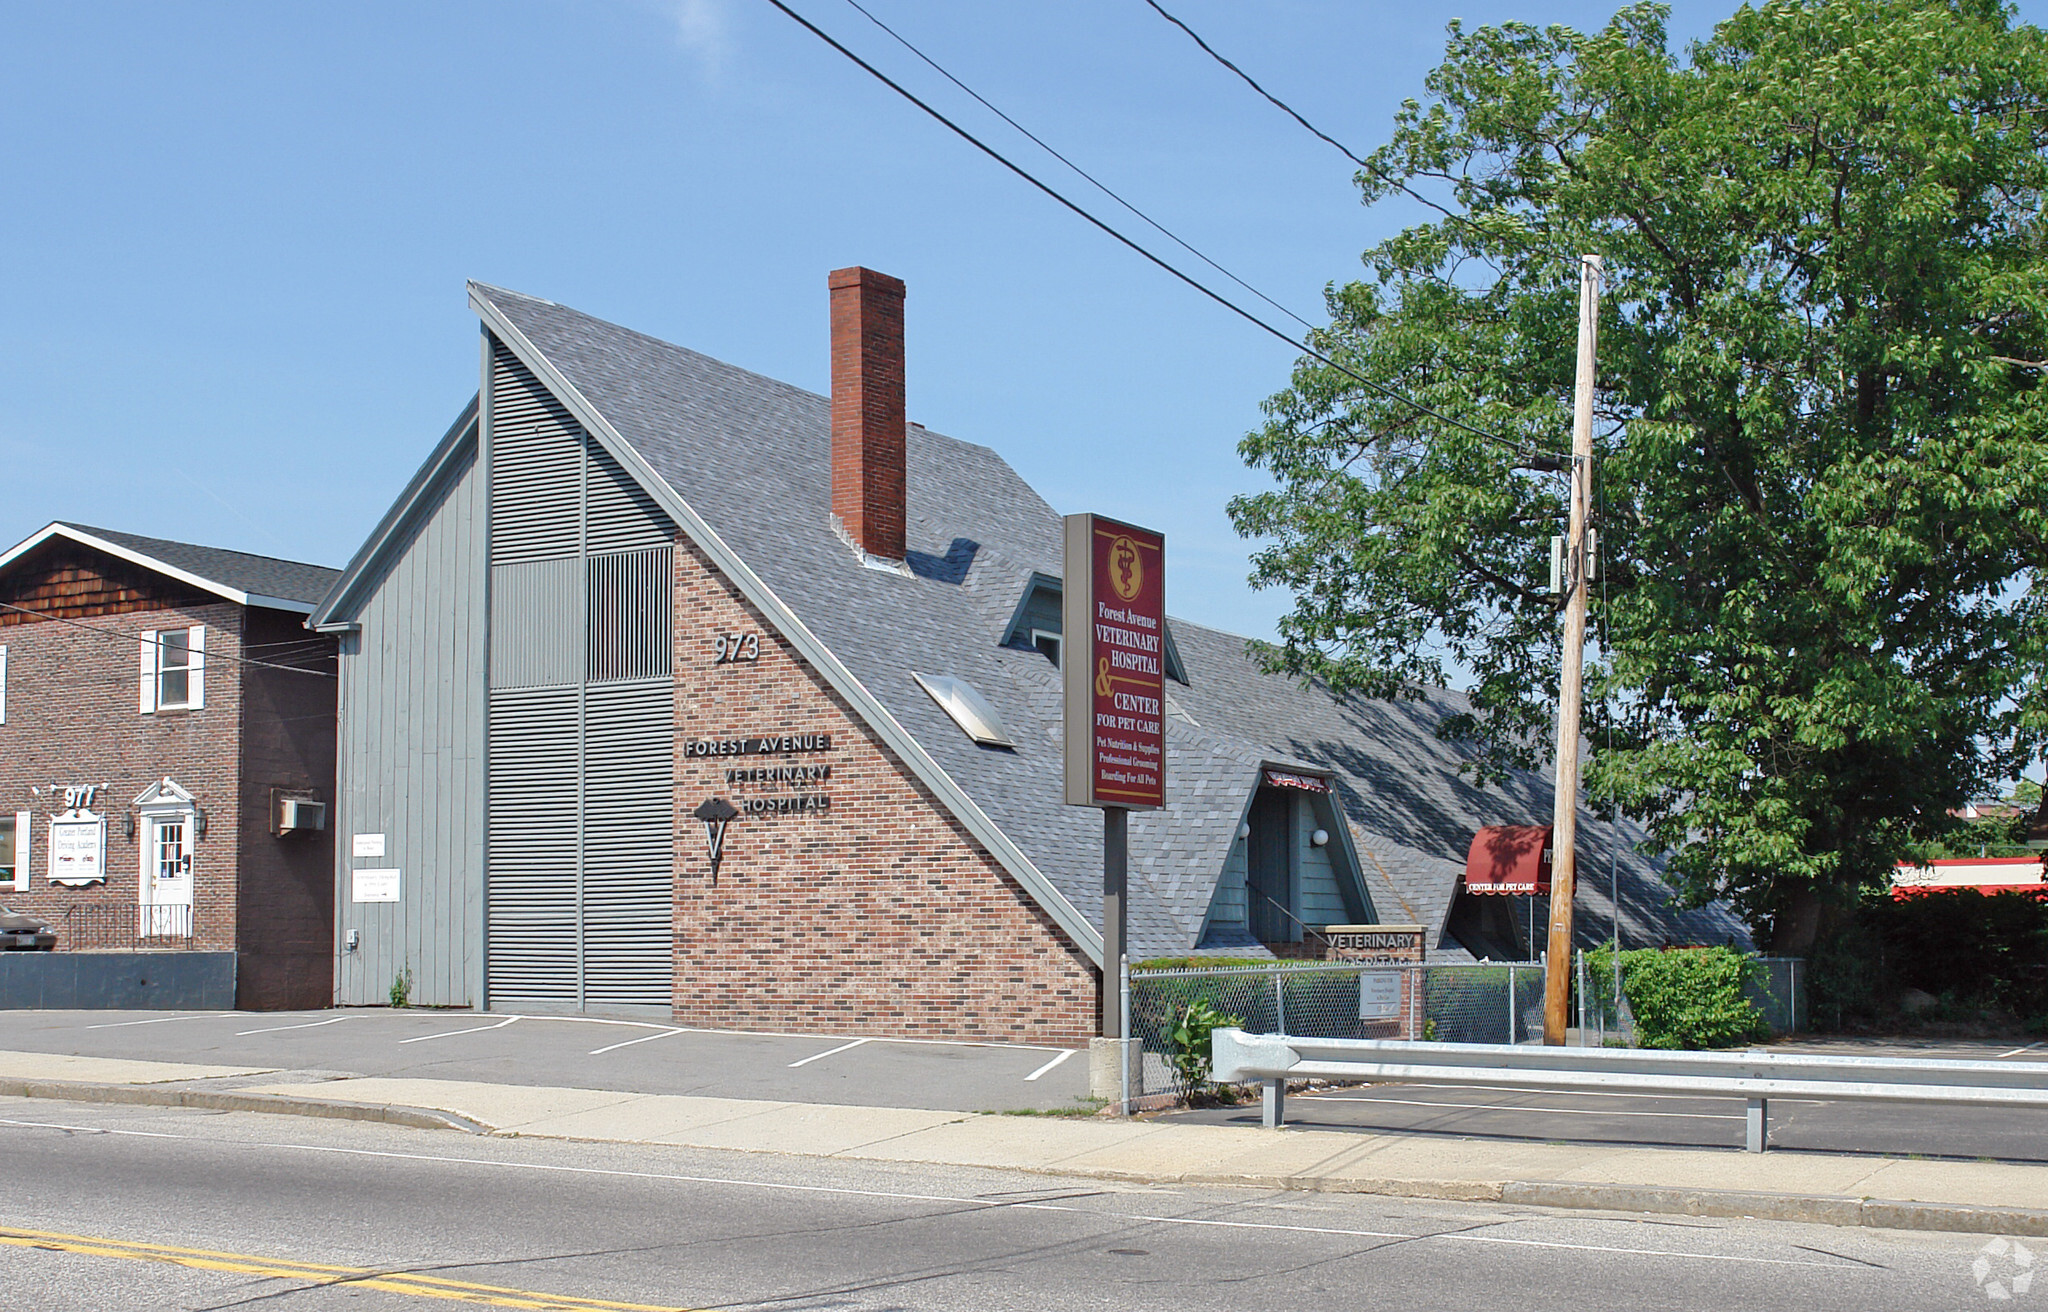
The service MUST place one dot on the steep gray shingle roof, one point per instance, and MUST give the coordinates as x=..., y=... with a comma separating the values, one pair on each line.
x=258, y=577
x=750, y=455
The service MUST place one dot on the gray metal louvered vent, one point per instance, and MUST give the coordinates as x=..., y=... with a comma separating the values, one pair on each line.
x=628, y=845
x=622, y=515
x=537, y=624
x=532, y=817
x=631, y=614
x=536, y=469
x=579, y=843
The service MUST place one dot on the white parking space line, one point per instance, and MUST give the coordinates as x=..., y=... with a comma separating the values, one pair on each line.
x=1049, y=1065
x=159, y=1020
x=309, y=1025
x=449, y=1034
x=645, y=1038
x=816, y=1056
x=1543, y=1111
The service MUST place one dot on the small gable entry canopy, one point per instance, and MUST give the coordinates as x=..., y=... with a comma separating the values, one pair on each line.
x=1509, y=859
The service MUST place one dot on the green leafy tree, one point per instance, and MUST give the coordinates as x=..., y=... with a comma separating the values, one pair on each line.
x=1822, y=463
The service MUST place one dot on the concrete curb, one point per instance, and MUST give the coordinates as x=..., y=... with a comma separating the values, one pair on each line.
x=1812, y=1209
x=415, y=1118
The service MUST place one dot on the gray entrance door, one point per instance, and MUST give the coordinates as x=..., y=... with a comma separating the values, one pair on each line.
x=1269, y=868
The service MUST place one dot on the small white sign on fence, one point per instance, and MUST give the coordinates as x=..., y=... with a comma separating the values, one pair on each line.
x=1379, y=995
x=374, y=885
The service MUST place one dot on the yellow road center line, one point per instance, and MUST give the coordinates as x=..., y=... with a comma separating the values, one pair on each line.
x=397, y=1282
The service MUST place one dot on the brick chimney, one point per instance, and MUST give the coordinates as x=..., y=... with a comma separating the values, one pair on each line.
x=867, y=410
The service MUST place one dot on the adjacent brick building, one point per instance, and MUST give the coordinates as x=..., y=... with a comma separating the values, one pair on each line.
x=667, y=688
x=159, y=704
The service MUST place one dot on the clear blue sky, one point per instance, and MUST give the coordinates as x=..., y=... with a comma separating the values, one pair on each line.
x=236, y=235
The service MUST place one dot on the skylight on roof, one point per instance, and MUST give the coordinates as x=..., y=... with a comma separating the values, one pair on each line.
x=969, y=709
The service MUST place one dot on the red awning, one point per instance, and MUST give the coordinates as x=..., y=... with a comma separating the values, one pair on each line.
x=1306, y=782
x=1509, y=859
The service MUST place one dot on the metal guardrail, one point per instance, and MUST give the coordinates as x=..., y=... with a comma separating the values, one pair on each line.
x=1757, y=1077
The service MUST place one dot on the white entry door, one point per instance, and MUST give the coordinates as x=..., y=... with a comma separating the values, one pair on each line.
x=167, y=878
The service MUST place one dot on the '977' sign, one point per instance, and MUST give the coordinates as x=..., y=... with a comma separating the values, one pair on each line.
x=1114, y=664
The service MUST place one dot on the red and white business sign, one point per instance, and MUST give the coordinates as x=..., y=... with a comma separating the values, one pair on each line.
x=1114, y=664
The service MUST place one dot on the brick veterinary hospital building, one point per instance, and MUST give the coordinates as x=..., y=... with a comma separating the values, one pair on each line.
x=632, y=581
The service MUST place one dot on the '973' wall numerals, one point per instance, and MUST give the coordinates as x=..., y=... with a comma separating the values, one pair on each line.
x=732, y=648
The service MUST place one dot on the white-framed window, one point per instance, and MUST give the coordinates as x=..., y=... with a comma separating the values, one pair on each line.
x=1048, y=643
x=3, y=684
x=173, y=673
x=15, y=829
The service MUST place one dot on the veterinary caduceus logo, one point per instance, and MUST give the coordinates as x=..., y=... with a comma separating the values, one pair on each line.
x=2004, y=1269
x=1126, y=568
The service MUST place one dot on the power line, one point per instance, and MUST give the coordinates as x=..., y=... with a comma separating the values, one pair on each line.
x=132, y=638
x=1119, y=237
x=1289, y=110
x=1092, y=180
x=1278, y=103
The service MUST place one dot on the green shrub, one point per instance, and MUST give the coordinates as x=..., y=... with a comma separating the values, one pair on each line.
x=401, y=988
x=1691, y=997
x=1191, y=1044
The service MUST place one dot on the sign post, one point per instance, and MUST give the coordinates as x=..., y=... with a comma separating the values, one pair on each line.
x=1113, y=671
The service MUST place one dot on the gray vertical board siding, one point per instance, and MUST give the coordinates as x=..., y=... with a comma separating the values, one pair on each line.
x=1227, y=906
x=411, y=759
x=1322, y=895
x=579, y=825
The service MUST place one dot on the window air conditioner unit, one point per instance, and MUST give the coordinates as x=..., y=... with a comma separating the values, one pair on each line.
x=297, y=815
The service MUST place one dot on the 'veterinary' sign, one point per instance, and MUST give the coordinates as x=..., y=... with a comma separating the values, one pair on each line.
x=1114, y=664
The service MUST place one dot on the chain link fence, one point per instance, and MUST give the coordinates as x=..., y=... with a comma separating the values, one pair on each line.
x=1491, y=1002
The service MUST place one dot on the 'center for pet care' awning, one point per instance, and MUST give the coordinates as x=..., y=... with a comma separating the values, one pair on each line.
x=1509, y=859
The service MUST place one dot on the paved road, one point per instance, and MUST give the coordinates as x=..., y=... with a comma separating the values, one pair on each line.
x=118, y=1207
x=577, y=1051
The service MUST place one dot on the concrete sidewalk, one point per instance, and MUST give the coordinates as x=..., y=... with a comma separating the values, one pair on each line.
x=1837, y=1189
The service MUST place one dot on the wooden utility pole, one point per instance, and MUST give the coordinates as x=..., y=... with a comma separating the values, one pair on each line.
x=1557, y=972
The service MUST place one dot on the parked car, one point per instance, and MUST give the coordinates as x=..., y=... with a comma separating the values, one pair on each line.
x=20, y=933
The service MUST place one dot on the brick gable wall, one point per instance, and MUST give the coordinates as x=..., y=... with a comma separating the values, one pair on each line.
x=881, y=916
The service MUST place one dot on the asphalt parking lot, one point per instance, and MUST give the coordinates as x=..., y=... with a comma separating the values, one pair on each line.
x=584, y=1052
x=1633, y=1119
